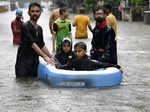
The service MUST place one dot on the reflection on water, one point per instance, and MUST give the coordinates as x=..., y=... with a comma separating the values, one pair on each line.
x=32, y=95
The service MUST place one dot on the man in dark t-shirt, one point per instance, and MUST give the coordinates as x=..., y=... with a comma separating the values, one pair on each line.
x=103, y=41
x=32, y=45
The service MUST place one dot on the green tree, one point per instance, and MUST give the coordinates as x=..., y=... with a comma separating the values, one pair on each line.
x=90, y=4
x=113, y=2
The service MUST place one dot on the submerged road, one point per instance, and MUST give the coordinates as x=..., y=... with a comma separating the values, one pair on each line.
x=32, y=95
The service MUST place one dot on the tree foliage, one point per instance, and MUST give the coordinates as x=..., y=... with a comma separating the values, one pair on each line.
x=136, y=2
x=113, y=2
x=90, y=4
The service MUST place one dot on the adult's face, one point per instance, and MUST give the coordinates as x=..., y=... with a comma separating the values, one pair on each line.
x=106, y=10
x=66, y=13
x=34, y=13
x=19, y=17
x=99, y=16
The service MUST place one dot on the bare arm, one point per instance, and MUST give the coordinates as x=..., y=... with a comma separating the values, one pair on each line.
x=54, y=43
x=38, y=50
x=89, y=25
x=70, y=35
x=51, y=20
x=45, y=50
x=41, y=53
x=55, y=29
x=90, y=28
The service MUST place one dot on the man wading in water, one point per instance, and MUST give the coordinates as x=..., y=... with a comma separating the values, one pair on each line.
x=32, y=45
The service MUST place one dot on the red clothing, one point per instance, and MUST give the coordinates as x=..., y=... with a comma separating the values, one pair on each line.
x=103, y=24
x=16, y=29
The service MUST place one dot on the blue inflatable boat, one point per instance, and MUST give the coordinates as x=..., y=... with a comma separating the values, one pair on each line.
x=99, y=78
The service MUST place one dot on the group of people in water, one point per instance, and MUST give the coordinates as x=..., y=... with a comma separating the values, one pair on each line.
x=103, y=53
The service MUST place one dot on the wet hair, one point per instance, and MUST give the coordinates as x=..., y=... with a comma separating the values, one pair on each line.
x=98, y=8
x=62, y=10
x=81, y=10
x=81, y=45
x=33, y=4
x=108, y=6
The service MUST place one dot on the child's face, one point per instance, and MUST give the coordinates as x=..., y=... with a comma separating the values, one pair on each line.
x=79, y=52
x=66, y=47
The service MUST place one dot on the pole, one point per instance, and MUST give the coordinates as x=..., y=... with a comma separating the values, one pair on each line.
x=127, y=2
x=149, y=4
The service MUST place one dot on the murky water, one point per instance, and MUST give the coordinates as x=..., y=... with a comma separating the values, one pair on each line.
x=32, y=95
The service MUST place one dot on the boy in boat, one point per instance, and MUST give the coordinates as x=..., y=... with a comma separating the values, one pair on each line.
x=65, y=54
x=83, y=62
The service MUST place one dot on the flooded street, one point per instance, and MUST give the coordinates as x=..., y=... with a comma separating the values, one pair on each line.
x=32, y=95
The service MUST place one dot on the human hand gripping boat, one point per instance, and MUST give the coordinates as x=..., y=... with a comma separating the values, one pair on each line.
x=67, y=78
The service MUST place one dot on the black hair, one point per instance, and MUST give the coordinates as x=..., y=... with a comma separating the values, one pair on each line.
x=108, y=6
x=61, y=4
x=35, y=4
x=81, y=10
x=62, y=10
x=81, y=45
x=66, y=41
x=97, y=8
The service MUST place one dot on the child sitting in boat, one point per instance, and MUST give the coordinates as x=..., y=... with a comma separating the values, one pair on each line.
x=65, y=54
x=83, y=62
